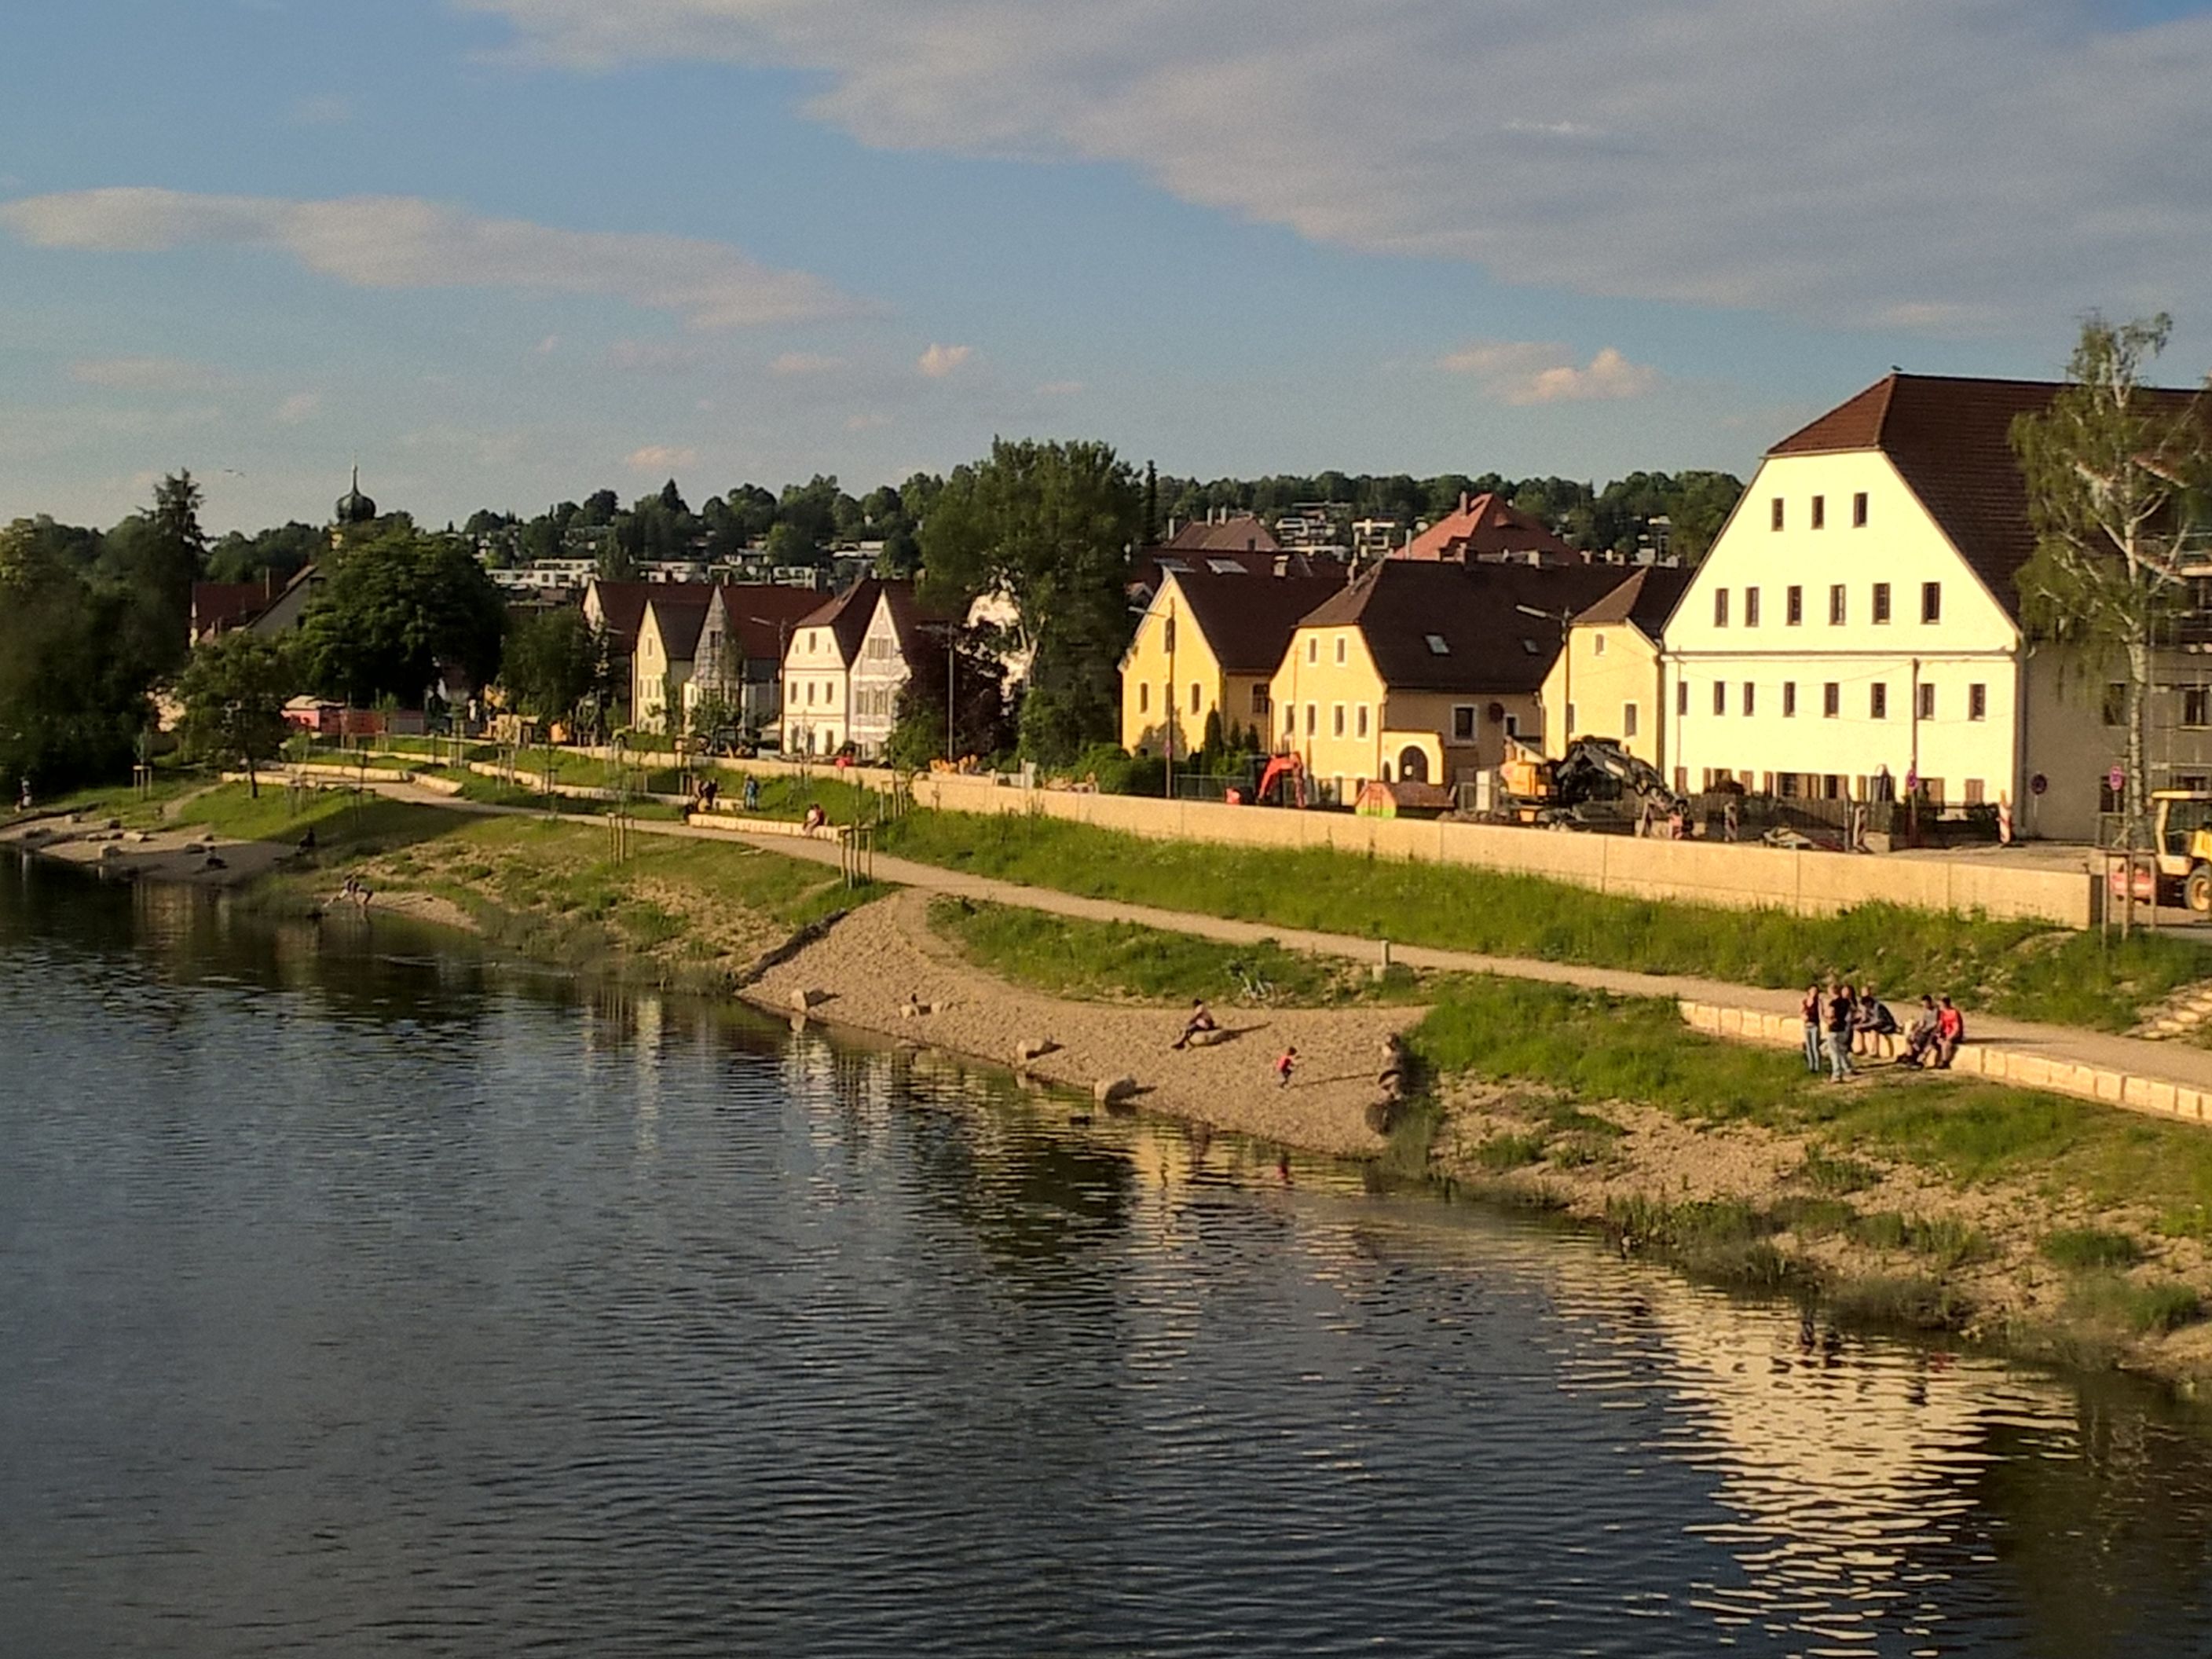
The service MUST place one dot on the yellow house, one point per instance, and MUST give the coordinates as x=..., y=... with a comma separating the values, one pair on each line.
x=1607, y=682
x=660, y=667
x=1856, y=628
x=1211, y=639
x=1418, y=672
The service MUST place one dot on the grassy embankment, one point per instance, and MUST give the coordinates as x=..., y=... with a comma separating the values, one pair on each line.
x=2021, y=969
x=1570, y=1052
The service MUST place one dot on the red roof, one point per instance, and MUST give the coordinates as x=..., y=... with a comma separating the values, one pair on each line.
x=621, y=605
x=220, y=606
x=1433, y=625
x=1487, y=527
x=1951, y=441
x=1242, y=534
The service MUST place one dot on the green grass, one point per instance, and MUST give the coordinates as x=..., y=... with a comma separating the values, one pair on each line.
x=1101, y=961
x=2018, y=968
x=2107, y=1300
x=1592, y=1047
x=2091, y=1247
x=1827, y=1173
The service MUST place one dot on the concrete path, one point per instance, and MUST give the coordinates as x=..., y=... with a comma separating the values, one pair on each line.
x=2164, y=1079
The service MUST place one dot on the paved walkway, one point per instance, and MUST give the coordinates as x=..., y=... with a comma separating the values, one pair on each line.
x=2165, y=1079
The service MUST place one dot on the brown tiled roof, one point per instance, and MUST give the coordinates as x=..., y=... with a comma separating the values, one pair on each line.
x=680, y=618
x=1152, y=564
x=1486, y=527
x=1244, y=534
x=763, y=614
x=1489, y=645
x=1643, y=600
x=1950, y=440
x=1247, y=620
x=220, y=605
x=910, y=612
x=622, y=605
x=847, y=616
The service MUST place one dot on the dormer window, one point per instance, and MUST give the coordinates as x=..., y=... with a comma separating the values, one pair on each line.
x=1438, y=645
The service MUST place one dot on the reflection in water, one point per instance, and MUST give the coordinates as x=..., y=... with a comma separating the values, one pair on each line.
x=360, y=1292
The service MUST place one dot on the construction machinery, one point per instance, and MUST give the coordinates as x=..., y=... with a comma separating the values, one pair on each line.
x=1283, y=784
x=2182, y=834
x=1595, y=781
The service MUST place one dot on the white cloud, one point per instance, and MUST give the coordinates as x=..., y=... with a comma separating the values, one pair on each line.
x=299, y=407
x=405, y=242
x=1986, y=163
x=665, y=459
x=1523, y=371
x=146, y=375
x=804, y=363
x=940, y=361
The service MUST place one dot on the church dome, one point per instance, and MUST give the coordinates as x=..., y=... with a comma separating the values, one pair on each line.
x=352, y=507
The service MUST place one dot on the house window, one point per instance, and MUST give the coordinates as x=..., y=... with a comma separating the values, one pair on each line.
x=1819, y=512
x=1681, y=696
x=1973, y=792
x=1720, y=607
x=1878, y=700
x=1978, y=701
x=1750, y=607
x=1836, y=605
x=1628, y=719
x=1195, y=697
x=1313, y=718
x=1789, y=700
x=829, y=692
x=1597, y=645
x=1748, y=695
x=1143, y=698
x=1831, y=699
x=1931, y=602
x=1362, y=722
x=1261, y=705
x=1336, y=720
x=1340, y=649
x=1463, y=722
x=809, y=694
x=2115, y=703
x=1313, y=650
x=1681, y=780
x=1881, y=603
x=1512, y=725
x=1794, y=606
x=1439, y=646
x=1859, y=511
x=2195, y=699
x=1571, y=720
x=1720, y=697
x=1774, y=514
x=1927, y=701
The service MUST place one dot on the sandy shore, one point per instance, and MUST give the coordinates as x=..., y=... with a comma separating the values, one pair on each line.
x=881, y=959
x=186, y=855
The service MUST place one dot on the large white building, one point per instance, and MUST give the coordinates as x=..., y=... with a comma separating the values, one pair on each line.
x=1857, y=626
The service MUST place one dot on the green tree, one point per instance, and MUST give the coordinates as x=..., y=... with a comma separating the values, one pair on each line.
x=553, y=660
x=234, y=690
x=72, y=693
x=980, y=725
x=1047, y=525
x=400, y=607
x=2113, y=469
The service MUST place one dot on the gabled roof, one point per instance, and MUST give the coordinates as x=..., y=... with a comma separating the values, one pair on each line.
x=1486, y=527
x=910, y=613
x=1643, y=600
x=1406, y=608
x=621, y=605
x=1241, y=534
x=1152, y=564
x=847, y=616
x=1247, y=620
x=679, y=617
x=763, y=614
x=220, y=605
x=1950, y=440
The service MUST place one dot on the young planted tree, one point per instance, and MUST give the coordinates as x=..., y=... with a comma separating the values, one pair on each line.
x=2114, y=471
x=233, y=690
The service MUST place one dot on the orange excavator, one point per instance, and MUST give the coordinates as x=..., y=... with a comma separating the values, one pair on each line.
x=1283, y=784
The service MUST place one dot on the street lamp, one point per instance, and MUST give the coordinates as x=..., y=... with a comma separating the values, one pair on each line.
x=782, y=626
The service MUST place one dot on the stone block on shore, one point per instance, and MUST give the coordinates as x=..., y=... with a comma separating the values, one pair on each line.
x=1112, y=1092
x=1207, y=1039
x=808, y=998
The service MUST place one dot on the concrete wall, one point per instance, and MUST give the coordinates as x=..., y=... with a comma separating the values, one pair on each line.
x=1703, y=872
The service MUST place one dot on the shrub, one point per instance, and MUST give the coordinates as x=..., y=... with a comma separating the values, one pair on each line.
x=2091, y=1247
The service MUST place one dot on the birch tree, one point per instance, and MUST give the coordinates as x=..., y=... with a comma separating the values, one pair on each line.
x=2115, y=470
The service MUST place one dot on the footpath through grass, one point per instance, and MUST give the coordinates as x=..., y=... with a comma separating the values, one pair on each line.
x=2022, y=968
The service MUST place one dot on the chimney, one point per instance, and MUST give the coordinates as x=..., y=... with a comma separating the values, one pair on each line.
x=1282, y=564
x=1463, y=500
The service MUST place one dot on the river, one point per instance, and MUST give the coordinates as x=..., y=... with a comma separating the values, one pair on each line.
x=361, y=1293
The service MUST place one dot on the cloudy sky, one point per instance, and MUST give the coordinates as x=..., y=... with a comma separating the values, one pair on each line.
x=507, y=251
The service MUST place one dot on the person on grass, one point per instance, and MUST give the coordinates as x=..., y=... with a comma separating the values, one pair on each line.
x=1809, y=1011
x=1841, y=1008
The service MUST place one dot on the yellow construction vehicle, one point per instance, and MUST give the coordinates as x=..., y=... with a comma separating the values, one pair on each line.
x=2183, y=836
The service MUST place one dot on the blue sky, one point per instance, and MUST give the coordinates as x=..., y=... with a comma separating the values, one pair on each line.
x=507, y=251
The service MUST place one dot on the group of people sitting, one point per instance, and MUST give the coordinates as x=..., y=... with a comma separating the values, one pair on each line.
x=1842, y=1020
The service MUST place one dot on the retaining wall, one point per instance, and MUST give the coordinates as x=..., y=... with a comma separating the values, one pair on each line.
x=1701, y=872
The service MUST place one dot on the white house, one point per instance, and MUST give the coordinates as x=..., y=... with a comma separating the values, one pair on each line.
x=1856, y=628
x=845, y=664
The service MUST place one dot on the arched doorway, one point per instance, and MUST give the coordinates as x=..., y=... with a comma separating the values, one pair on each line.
x=1413, y=766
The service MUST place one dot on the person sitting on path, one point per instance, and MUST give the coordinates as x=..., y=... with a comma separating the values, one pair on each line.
x=1809, y=1011
x=1840, y=1008
x=1200, y=1020
x=1286, y=1065
x=1920, y=1041
x=1950, y=1032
